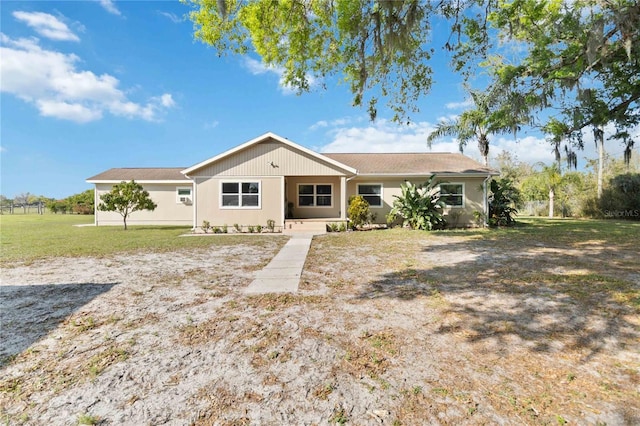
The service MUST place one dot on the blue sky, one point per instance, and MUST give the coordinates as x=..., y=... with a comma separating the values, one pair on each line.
x=91, y=85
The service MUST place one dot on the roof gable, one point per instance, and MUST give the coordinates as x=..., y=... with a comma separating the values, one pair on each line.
x=310, y=155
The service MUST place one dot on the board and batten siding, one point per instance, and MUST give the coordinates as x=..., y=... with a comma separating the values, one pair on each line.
x=168, y=212
x=472, y=192
x=208, y=202
x=269, y=158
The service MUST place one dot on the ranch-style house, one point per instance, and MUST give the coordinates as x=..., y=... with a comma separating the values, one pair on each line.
x=273, y=178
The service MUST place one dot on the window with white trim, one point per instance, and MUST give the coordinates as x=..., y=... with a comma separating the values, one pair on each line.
x=183, y=195
x=372, y=192
x=452, y=194
x=315, y=195
x=240, y=195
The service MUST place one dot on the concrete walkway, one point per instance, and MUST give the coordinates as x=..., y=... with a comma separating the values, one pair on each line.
x=282, y=274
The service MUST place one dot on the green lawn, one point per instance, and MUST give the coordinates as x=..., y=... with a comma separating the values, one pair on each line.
x=24, y=238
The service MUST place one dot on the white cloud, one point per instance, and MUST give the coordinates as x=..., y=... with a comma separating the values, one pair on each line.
x=166, y=100
x=212, y=124
x=338, y=122
x=318, y=125
x=529, y=149
x=46, y=25
x=50, y=80
x=382, y=136
x=109, y=6
x=68, y=111
x=385, y=136
x=258, y=68
x=459, y=105
x=171, y=16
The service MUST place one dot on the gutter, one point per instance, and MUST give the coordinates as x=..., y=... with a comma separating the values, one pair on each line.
x=194, y=204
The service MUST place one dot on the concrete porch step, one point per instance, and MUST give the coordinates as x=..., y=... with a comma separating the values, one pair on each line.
x=302, y=226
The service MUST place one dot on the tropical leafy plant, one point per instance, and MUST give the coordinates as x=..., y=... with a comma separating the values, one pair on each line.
x=502, y=199
x=419, y=206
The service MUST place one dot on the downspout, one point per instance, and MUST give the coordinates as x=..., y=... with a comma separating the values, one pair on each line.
x=344, y=197
x=95, y=204
x=194, y=204
x=486, y=201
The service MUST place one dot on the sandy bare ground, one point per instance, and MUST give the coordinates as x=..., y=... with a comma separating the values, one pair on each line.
x=425, y=330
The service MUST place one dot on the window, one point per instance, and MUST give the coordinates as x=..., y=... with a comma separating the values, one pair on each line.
x=452, y=194
x=183, y=195
x=240, y=195
x=315, y=195
x=372, y=193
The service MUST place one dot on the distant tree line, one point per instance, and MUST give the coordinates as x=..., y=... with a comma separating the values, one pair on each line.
x=556, y=191
x=82, y=203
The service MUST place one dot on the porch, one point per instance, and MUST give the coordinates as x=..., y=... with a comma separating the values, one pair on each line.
x=310, y=226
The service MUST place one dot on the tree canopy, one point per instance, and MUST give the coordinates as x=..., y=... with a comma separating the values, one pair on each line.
x=380, y=48
x=578, y=61
x=126, y=198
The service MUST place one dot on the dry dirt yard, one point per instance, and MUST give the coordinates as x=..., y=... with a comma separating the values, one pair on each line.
x=389, y=327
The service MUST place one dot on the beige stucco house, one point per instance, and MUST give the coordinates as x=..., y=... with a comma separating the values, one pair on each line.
x=272, y=178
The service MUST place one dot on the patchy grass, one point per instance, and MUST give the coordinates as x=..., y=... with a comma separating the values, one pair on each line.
x=538, y=324
x=26, y=238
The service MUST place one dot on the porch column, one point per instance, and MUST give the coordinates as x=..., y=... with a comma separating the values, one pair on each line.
x=283, y=203
x=343, y=198
x=194, y=202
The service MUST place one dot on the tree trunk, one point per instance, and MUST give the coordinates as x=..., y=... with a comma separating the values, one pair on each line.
x=483, y=146
x=598, y=133
x=552, y=196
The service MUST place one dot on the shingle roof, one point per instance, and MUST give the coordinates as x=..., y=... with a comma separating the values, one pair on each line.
x=398, y=164
x=141, y=174
x=410, y=163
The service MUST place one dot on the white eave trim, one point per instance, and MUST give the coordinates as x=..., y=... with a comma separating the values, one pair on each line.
x=263, y=138
x=406, y=175
x=177, y=181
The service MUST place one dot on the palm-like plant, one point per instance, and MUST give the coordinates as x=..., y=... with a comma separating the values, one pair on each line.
x=419, y=206
x=488, y=116
x=502, y=198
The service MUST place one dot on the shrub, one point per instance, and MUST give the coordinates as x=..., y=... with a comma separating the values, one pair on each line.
x=455, y=216
x=251, y=229
x=258, y=228
x=501, y=201
x=419, y=206
x=225, y=229
x=271, y=225
x=342, y=227
x=359, y=212
x=619, y=200
x=479, y=218
x=237, y=227
x=206, y=226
